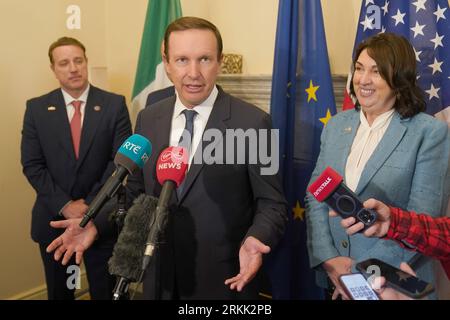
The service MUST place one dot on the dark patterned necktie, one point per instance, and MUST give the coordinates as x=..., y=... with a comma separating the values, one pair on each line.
x=186, y=139
x=188, y=132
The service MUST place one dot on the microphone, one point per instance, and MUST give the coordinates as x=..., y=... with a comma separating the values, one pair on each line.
x=170, y=171
x=130, y=158
x=329, y=187
x=118, y=216
x=127, y=254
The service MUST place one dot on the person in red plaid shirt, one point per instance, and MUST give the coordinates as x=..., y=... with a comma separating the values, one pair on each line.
x=420, y=232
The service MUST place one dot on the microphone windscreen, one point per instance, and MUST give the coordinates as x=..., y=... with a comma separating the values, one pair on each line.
x=325, y=184
x=172, y=165
x=133, y=153
x=128, y=252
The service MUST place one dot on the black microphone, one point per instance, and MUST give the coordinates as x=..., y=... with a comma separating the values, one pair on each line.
x=131, y=157
x=128, y=251
x=120, y=212
x=170, y=171
x=329, y=187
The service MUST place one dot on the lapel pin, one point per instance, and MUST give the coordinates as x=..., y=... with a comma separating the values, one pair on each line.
x=348, y=129
x=51, y=108
x=97, y=108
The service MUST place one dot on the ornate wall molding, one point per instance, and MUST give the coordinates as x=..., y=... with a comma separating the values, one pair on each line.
x=256, y=89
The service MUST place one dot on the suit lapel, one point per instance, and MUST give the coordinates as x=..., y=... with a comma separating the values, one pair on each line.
x=57, y=116
x=388, y=143
x=219, y=113
x=93, y=113
x=346, y=137
x=163, y=120
x=159, y=136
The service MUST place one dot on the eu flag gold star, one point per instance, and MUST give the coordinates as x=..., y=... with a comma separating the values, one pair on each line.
x=299, y=212
x=327, y=118
x=311, y=91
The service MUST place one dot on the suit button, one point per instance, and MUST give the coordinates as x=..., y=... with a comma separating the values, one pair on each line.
x=344, y=243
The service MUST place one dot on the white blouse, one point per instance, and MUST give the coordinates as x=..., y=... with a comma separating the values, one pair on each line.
x=365, y=142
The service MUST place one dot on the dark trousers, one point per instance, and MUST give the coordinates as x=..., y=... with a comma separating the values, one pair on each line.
x=57, y=276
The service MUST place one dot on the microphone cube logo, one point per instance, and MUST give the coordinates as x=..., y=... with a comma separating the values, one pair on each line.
x=177, y=155
x=74, y=280
x=322, y=186
x=136, y=148
x=132, y=147
x=172, y=165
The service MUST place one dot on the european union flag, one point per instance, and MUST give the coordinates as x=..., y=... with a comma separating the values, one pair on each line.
x=302, y=103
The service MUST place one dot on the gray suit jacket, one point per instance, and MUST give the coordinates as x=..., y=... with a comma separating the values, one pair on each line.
x=220, y=206
x=407, y=170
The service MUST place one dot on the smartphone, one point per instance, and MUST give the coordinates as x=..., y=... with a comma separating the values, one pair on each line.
x=396, y=278
x=357, y=287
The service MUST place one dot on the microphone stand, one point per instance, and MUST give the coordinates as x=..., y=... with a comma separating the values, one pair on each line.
x=158, y=225
x=120, y=291
x=121, y=207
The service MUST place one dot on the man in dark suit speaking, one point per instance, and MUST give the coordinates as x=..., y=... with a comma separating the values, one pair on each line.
x=69, y=139
x=228, y=212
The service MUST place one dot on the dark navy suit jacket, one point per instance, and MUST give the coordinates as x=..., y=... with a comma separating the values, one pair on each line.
x=221, y=205
x=158, y=95
x=48, y=157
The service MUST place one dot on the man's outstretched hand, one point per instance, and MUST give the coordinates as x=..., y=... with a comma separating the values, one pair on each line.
x=74, y=239
x=250, y=260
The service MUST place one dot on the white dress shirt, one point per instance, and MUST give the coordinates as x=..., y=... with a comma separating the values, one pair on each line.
x=366, y=140
x=179, y=121
x=68, y=99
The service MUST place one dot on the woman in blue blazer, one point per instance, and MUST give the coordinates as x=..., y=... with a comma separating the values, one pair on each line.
x=387, y=149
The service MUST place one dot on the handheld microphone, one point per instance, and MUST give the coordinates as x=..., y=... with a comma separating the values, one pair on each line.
x=170, y=172
x=130, y=158
x=329, y=187
x=126, y=259
x=120, y=212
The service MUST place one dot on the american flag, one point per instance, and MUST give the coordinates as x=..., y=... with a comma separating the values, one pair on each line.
x=426, y=23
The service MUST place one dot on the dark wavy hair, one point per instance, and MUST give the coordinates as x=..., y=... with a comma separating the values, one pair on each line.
x=188, y=23
x=396, y=62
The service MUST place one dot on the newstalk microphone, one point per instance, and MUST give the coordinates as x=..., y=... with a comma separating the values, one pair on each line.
x=170, y=172
x=128, y=252
x=329, y=187
x=130, y=158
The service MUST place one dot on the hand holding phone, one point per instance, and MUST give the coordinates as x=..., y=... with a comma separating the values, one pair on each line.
x=395, y=278
x=357, y=287
x=329, y=187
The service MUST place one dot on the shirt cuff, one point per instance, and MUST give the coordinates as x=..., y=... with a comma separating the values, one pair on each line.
x=62, y=209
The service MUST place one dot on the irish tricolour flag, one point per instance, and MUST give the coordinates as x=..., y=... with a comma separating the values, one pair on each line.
x=150, y=74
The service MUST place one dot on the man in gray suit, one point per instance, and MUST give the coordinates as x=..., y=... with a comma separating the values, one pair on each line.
x=227, y=215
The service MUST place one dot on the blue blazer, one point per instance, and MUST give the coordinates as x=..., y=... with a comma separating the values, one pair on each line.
x=407, y=170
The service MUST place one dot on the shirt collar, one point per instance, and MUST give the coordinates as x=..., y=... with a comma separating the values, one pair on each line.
x=68, y=99
x=203, y=109
x=379, y=121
